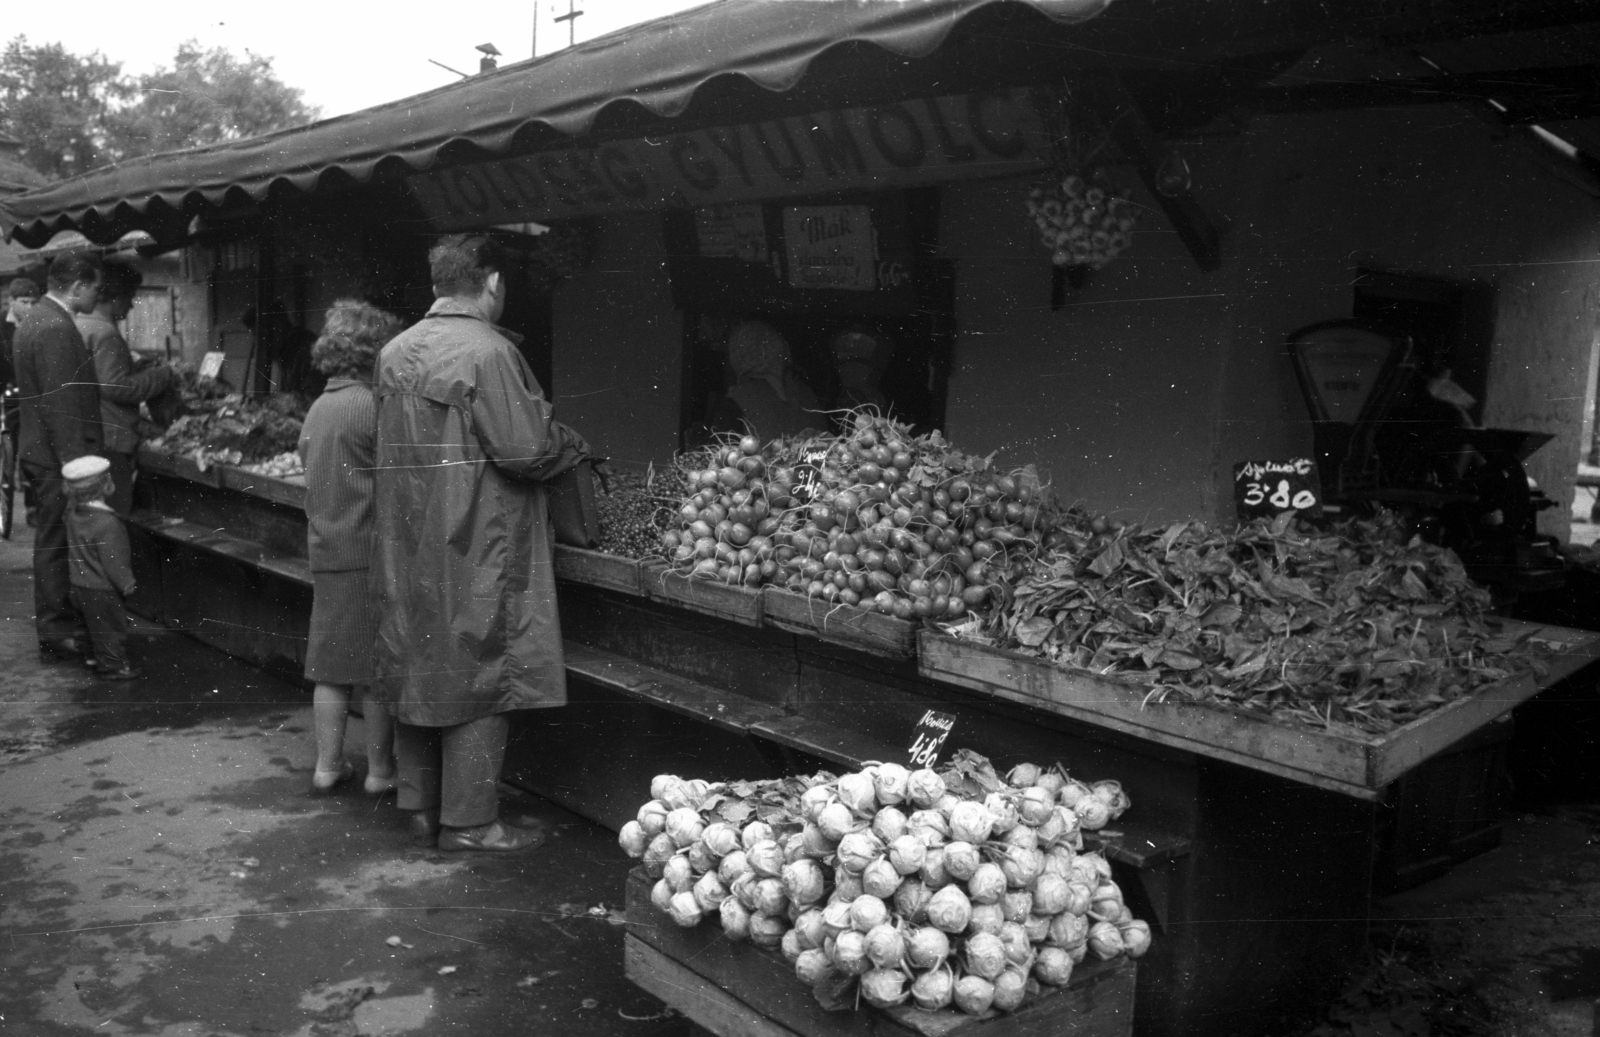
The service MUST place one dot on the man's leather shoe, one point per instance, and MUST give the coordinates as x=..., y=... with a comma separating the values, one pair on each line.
x=424, y=825
x=63, y=649
x=493, y=836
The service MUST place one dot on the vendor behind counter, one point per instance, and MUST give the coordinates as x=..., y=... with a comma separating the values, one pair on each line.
x=831, y=365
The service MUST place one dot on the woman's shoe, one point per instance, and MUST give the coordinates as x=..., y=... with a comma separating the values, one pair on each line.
x=378, y=786
x=323, y=785
x=127, y=673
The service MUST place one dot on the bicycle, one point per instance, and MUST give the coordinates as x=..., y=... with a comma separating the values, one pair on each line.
x=10, y=420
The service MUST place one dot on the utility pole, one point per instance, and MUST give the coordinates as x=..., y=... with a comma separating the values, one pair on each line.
x=571, y=18
x=535, y=51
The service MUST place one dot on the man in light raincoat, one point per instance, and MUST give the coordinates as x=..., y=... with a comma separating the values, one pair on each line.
x=468, y=630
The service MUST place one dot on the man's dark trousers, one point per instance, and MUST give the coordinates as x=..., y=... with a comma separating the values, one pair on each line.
x=54, y=614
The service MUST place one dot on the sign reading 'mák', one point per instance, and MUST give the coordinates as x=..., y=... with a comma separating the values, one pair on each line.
x=904, y=144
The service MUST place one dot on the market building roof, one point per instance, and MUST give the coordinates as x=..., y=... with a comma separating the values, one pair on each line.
x=728, y=56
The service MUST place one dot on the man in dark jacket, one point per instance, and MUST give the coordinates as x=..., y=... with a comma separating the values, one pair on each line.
x=60, y=422
x=462, y=557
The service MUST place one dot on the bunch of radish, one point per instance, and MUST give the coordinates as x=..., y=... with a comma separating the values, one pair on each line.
x=878, y=518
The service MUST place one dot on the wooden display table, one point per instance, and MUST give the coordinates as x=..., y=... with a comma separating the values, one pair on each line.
x=1250, y=846
x=737, y=990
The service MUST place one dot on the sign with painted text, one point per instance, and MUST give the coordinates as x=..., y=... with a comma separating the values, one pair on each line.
x=903, y=144
x=1262, y=489
x=831, y=246
x=737, y=231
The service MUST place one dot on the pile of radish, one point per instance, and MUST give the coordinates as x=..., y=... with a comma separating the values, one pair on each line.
x=878, y=518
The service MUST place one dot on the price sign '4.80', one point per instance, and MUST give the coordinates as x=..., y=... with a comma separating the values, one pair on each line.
x=1266, y=488
x=928, y=738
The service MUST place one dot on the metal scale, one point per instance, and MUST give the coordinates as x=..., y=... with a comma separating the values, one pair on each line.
x=1389, y=434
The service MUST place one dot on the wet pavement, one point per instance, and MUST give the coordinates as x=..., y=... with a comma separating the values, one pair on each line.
x=163, y=873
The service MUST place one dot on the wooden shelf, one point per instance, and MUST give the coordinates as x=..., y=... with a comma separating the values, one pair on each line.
x=1351, y=764
x=858, y=628
x=594, y=569
x=735, y=604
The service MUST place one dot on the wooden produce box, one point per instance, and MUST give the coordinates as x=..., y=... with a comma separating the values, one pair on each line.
x=595, y=569
x=179, y=467
x=712, y=597
x=1350, y=763
x=841, y=624
x=290, y=491
x=736, y=990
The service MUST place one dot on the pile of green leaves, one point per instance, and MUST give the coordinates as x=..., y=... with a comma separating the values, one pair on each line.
x=1352, y=628
x=231, y=428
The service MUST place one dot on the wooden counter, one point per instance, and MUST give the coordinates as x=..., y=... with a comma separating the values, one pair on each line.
x=1250, y=844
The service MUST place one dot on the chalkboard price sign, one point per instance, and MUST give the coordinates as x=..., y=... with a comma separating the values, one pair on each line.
x=1266, y=488
x=928, y=738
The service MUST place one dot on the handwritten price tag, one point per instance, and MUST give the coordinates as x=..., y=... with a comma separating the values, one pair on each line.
x=928, y=738
x=211, y=364
x=1265, y=488
x=808, y=474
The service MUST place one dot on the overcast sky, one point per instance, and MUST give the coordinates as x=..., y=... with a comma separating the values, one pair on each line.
x=345, y=55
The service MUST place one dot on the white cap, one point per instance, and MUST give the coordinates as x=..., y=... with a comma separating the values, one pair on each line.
x=81, y=469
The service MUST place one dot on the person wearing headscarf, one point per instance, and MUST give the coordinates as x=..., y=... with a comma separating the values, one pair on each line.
x=767, y=397
x=860, y=357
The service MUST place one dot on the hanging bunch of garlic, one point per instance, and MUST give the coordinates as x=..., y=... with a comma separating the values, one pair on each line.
x=1082, y=221
x=926, y=891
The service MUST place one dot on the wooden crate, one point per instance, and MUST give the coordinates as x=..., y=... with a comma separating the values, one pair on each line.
x=610, y=572
x=290, y=491
x=846, y=625
x=1352, y=764
x=179, y=467
x=736, y=990
x=735, y=604
x=1445, y=811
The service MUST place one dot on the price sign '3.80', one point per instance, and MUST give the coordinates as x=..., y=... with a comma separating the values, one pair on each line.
x=1266, y=488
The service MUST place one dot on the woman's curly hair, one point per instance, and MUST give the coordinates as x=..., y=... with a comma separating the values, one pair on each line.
x=351, y=337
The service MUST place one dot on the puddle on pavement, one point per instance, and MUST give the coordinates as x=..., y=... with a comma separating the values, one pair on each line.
x=1571, y=972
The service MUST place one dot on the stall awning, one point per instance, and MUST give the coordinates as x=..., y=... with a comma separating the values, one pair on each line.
x=630, y=80
x=657, y=67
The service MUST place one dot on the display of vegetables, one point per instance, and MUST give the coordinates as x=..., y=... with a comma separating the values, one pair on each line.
x=1354, y=626
x=1350, y=626
x=1082, y=220
x=636, y=507
x=286, y=465
x=221, y=427
x=880, y=518
x=953, y=888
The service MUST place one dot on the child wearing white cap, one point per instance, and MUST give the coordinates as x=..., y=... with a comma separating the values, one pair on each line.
x=99, y=564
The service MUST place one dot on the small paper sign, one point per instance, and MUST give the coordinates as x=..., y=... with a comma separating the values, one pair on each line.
x=211, y=364
x=808, y=474
x=1267, y=488
x=928, y=738
x=831, y=246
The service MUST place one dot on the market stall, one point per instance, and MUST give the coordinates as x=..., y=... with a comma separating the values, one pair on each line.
x=900, y=169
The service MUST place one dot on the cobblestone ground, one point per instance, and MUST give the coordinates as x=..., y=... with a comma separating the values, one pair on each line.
x=163, y=873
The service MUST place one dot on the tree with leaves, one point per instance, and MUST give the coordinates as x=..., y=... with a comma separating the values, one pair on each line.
x=72, y=113
x=207, y=97
x=59, y=105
